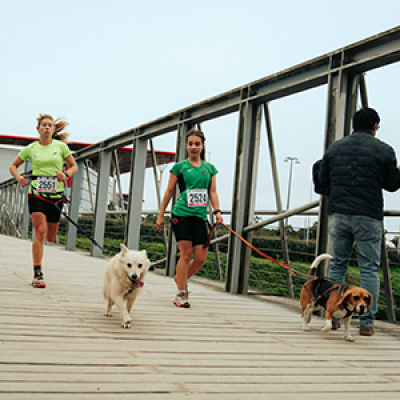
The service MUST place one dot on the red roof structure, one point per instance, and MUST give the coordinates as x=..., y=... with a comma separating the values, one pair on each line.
x=124, y=153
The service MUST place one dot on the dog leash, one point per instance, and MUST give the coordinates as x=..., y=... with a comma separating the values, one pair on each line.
x=64, y=198
x=59, y=206
x=250, y=245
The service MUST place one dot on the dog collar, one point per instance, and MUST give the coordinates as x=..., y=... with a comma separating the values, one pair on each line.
x=349, y=308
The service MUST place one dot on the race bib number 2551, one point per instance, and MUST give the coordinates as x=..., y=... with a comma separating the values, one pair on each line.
x=46, y=184
x=197, y=198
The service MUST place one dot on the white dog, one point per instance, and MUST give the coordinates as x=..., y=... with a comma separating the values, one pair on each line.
x=123, y=281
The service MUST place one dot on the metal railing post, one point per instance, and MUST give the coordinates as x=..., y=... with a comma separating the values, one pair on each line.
x=73, y=206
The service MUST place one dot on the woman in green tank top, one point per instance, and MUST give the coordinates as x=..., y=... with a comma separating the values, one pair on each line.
x=197, y=184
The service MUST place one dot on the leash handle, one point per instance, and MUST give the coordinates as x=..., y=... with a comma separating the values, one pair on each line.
x=248, y=244
x=207, y=244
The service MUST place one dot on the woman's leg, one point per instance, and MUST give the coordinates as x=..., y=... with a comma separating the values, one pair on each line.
x=199, y=258
x=52, y=229
x=40, y=225
x=182, y=267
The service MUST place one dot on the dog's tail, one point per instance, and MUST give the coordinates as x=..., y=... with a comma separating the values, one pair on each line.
x=317, y=261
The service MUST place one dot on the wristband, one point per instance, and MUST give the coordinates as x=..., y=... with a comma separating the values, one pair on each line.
x=217, y=211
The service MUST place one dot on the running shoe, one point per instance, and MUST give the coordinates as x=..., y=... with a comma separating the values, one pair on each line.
x=38, y=281
x=182, y=300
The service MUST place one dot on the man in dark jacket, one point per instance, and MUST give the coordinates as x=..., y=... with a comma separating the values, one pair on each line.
x=353, y=173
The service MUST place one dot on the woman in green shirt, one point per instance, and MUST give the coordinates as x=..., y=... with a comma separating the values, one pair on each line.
x=197, y=182
x=47, y=157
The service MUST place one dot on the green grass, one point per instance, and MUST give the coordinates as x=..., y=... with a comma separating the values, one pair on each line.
x=264, y=275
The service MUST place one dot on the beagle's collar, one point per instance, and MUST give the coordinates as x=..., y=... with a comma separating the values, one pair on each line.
x=349, y=308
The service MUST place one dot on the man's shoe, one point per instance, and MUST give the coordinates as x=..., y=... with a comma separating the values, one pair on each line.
x=335, y=325
x=38, y=281
x=366, y=331
x=182, y=300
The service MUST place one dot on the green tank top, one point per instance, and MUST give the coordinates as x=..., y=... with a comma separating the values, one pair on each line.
x=194, y=184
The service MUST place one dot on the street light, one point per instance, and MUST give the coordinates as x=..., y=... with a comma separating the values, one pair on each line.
x=290, y=160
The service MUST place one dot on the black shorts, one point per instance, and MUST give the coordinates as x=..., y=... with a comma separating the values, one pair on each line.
x=50, y=210
x=193, y=229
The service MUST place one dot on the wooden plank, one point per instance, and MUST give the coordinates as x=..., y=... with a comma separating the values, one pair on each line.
x=149, y=378
x=67, y=372
x=371, y=395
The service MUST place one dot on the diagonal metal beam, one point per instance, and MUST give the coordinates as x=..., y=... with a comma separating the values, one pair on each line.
x=373, y=52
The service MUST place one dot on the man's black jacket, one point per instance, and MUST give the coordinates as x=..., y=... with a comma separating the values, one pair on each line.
x=353, y=173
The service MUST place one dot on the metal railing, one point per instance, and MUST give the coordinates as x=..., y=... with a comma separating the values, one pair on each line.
x=265, y=278
x=12, y=207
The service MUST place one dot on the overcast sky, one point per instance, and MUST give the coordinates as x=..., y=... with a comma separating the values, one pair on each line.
x=108, y=66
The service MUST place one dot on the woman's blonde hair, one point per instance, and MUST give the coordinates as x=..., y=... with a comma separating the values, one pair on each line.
x=200, y=134
x=59, y=125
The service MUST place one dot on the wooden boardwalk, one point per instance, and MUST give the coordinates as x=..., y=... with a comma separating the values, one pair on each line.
x=55, y=343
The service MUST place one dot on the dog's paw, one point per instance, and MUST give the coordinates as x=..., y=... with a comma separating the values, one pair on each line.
x=350, y=338
x=306, y=329
x=127, y=322
x=108, y=314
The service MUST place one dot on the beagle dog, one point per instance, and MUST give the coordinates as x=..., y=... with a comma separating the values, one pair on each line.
x=339, y=301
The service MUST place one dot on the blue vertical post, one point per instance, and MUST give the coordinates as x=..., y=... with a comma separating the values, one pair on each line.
x=181, y=154
x=73, y=206
x=99, y=221
x=243, y=199
x=25, y=218
x=136, y=192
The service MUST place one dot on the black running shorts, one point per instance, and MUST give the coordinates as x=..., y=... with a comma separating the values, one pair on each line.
x=193, y=229
x=50, y=210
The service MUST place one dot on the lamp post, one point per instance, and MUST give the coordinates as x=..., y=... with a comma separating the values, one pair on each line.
x=290, y=160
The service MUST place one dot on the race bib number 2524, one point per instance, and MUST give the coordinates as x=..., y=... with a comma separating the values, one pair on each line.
x=197, y=198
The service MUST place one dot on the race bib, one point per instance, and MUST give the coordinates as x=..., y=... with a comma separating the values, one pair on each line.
x=46, y=184
x=197, y=198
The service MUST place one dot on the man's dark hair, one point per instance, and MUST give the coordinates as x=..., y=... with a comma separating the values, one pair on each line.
x=365, y=118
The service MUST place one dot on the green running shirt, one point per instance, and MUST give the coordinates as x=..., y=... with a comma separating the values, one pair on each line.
x=46, y=160
x=194, y=183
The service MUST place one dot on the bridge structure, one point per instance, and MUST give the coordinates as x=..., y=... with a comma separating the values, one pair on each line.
x=342, y=73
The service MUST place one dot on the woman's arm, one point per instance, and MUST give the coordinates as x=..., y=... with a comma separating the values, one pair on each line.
x=215, y=200
x=72, y=169
x=14, y=172
x=173, y=179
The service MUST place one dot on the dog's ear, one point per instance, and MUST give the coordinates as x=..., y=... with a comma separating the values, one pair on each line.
x=123, y=248
x=144, y=252
x=345, y=296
